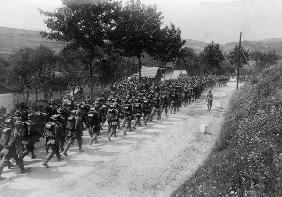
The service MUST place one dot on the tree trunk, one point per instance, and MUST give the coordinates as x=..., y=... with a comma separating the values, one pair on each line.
x=18, y=101
x=45, y=95
x=140, y=66
x=27, y=96
x=36, y=95
x=91, y=79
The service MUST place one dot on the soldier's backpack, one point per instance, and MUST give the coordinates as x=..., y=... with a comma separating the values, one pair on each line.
x=6, y=134
x=71, y=123
x=49, y=130
x=127, y=110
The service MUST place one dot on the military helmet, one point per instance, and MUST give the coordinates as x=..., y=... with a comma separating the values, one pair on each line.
x=8, y=122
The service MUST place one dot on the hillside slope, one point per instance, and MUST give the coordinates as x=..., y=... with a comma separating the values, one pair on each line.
x=263, y=45
x=11, y=39
x=247, y=158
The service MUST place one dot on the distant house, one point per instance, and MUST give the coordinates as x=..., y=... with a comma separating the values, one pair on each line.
x=170, y=65
x=6, y=98
x=250, y=65
x=151, y=72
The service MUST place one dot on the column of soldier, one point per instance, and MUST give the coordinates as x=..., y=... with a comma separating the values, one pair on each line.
x=129, y=103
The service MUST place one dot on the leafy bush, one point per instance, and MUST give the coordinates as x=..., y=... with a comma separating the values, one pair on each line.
x=246, y=159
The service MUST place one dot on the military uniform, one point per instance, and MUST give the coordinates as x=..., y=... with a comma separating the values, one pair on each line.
x=52, y=134
x=12, y=149
x=112, y=117
x=74, y=131
x=94, y=121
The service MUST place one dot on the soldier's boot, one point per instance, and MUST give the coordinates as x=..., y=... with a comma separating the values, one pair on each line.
x=33, y=156
x=62, y=145
x=93, y=139
x=45, y=164
x=79, y=142
x=48, y=158
x=61, y=149
x=20, y=164
x=66, y=149
x=58, y=155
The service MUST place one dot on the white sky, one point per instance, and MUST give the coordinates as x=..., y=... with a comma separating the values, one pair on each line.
x=206, y=20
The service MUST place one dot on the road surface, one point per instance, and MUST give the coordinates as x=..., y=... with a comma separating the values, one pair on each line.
x=153, y=161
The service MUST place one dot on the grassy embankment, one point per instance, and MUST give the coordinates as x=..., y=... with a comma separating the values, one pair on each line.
x=245, y=160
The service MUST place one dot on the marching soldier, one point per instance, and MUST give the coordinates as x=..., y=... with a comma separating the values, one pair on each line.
x=127, y=111
x=164, y=103
x=5, y=136
x=61, y=119
x=30, y=137
x=147, y=108
x=52, y=134
x=137, y=112
x=75, y=131
x=94, y=121
x=12, y=148
x=112, y=116
x=209, y=100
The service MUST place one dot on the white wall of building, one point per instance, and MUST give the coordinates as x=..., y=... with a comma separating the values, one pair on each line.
x=7, y=100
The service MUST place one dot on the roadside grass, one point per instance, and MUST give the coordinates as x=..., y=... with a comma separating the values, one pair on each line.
x=246, y=159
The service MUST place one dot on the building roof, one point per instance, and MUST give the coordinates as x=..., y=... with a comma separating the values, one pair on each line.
x=149, y=72
x=4, y=90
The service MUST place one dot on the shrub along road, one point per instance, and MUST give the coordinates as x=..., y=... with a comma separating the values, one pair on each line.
x=153, y=161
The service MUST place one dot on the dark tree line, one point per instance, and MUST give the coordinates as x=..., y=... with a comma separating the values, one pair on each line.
x=107, y=28
x=212, y=60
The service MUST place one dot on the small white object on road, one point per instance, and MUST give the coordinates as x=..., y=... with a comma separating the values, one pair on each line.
x=204, y=129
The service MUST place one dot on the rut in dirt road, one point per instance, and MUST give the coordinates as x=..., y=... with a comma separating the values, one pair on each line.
x=153, y=161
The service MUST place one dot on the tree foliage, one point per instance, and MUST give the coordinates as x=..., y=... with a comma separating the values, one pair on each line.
x=169, y=44
x=211, y=57
x=269, y=58
x=233, y=56
x=22, y=68
x=137, y=30
x=32, y=69
x=73, y=65
x=82, y=24
x=4, y=66
x=189, y=61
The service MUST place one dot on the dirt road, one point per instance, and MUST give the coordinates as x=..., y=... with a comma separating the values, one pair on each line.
x=153, y=161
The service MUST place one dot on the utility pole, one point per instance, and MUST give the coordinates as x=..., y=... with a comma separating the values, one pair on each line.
x=239, y=62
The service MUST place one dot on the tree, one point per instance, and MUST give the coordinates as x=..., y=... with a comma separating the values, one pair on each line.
x=269, y=58
x=137, y=30
x=73, y=65
x=83, y=24
x=22, y=70
x=169, y=44
x=4, y=65
x=233, y=56
x=44, y=65
x=211, y=57
x=189, y=60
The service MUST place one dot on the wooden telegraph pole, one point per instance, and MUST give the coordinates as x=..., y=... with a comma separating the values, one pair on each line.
x=239, y=62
